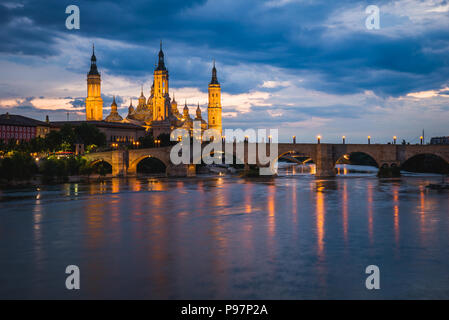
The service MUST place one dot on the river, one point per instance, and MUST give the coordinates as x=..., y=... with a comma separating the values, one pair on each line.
x=225, y=237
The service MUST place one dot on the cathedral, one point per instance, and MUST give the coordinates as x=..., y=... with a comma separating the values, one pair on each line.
x=159, y=113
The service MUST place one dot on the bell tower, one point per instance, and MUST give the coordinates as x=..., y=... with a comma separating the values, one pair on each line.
x=214, y=106
x=94, y=103
x=160, y=110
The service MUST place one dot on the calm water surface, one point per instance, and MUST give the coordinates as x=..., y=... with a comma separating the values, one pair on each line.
x=292, y=237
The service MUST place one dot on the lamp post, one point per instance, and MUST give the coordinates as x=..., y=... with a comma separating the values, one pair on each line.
x=269, y=139
x=369, y=139
x=394, y=139
x=344, y=139
x=422, y=139
x=294, y=139
x=319, y=139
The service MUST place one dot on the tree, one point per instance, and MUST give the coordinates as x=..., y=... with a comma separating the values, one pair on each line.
x=52, y=141
x=147, y=141
x=20, y=166
x=89, y=134
x=165, y=140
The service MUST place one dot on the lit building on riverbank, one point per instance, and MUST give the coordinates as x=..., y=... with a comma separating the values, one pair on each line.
x=20, y=128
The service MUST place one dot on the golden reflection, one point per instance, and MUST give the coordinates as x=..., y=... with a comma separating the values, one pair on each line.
x=312, y=169
x=294, y=203
x=271, y=210
x=115, y=185
x=248, y=197
x=370, y=211
x=222, y=195
x=156, y=185
x=135, y=184
x=320, y=211
x=396, y=213
x=345, y=210
x=422, y=212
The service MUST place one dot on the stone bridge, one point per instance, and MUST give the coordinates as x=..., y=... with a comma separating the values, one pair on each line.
x=325, y=156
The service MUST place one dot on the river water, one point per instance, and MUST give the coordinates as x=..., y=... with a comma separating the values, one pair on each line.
x=224, y=237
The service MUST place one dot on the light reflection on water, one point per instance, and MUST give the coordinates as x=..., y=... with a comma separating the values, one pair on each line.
x=226, y=237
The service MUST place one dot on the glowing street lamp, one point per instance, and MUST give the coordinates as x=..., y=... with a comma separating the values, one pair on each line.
x=344, y=139
x=394, y=139
x=319, y=139
x=422, y=139
x=294, y=139
x=369, y=139
x=269, y=139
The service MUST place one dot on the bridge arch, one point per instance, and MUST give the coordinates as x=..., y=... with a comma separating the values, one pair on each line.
x=309, y=157
x=132, y=169
x=97, y=161
x=435, y=162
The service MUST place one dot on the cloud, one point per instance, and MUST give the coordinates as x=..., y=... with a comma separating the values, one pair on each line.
x=293, y=64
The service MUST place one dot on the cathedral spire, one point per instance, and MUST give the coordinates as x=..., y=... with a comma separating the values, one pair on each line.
x=93, y=63
x=214, y=79
x=198, y=112
x=161, y=63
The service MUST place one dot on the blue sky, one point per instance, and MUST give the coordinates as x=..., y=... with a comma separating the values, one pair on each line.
x=305, y=67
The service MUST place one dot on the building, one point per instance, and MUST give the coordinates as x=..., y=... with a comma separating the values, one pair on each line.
x=94, y=102
x=214, y=106
x=114, y=116
x=159, y=113
x=20, y=128
x=439, y=140
x=114, y=131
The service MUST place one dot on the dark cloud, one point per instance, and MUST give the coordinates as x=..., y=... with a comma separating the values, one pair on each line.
x=291, y=37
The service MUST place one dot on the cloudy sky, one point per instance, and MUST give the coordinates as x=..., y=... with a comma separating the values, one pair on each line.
x=307, y=67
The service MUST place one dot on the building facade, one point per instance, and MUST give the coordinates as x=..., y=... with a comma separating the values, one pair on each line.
x=214, y=106
x=115, y=132
x=439, y=140
x=159, y=112
x=94, y=102
x=20, y=128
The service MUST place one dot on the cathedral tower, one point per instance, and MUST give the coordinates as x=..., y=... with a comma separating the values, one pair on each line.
x=214, y=107
x=160, y=97
x=94, y=103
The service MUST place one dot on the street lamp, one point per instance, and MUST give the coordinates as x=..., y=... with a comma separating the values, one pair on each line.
x=319, y=139
x=294, y=139
x=344, y=139
x=422, y=139
x=369, y=139
x=269, y=139
x=394, y=139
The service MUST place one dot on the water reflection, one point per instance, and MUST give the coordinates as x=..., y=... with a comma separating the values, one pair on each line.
x=345, y=210
x=369, y=192
x=225, y=237
x=320, y=213
x=395, y=190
